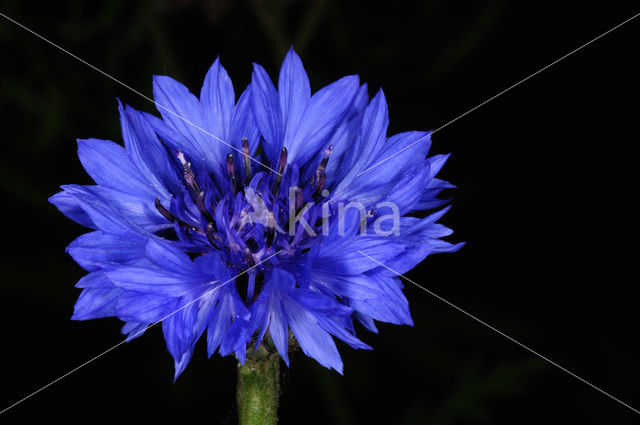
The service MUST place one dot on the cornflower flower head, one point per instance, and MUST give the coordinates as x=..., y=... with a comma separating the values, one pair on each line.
x=253, y=220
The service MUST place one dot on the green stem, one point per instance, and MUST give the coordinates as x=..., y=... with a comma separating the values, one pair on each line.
x=258, y=389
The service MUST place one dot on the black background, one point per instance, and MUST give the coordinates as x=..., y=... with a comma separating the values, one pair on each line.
x=547, y=175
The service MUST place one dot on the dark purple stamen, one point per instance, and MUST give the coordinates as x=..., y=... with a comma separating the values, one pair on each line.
x=246, y=160
x=230, y=166
x=249, y=257
x=325, y=158
x=299, y=198
x=203, y=208
x=165, y=212
x=321, y=176
x=282, y=164
x=231, y=169
x=271, y=232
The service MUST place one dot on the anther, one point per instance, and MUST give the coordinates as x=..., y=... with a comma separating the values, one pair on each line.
x=231, y=169
x=165, y=212
x=246, y=160
x=271, y=235
x=202, y=207
x=282, y=164
x=321, y=176
x=230, y=165
x=299, y=198
x=325, y=158
x=189, y=177
x=181, y=157
x=249, y=257
x=271, y=231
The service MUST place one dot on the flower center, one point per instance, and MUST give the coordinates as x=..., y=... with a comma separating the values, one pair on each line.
x=247, y=216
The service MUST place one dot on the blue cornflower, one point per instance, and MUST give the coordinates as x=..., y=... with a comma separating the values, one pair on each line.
x=245, y=219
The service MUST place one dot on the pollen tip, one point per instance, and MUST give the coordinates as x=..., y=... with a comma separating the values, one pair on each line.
x=181, y=157
x=230, y=165
x=283, y=159
x=249, y=257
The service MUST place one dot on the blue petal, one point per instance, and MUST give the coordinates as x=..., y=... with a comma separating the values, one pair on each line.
x=312, y=316
x=243, y=125
x=401, y=163
x=267, y=312
x=279, y=330
x=294, y=92
x=228, y=322
x=266, y=109
x=346, y=286
x=168, y=257
x=325, y=111
x=237, y=334
x=372, y=134
x=154, y=281
x=349, y=260
x=428, y=199
x=218, y=98
x=436, y=163
x=211, y=265
x=95, y=303
x=104, y=216
x=343, y=140
x=148, y=154
x=109, y=166
x=314, y=341
x=182, y=112
x=418, y=243
x=366, y=321
x=133, y=330
x=392, y=308
x=142, y=213
x=144, y=307
x=218, y=321
x=68, y=205
x=408, y=191
x=365, y=151
x=96, y=279
x=330, y=315
x=96, y=249
x=408, y=148
x=181, y=331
